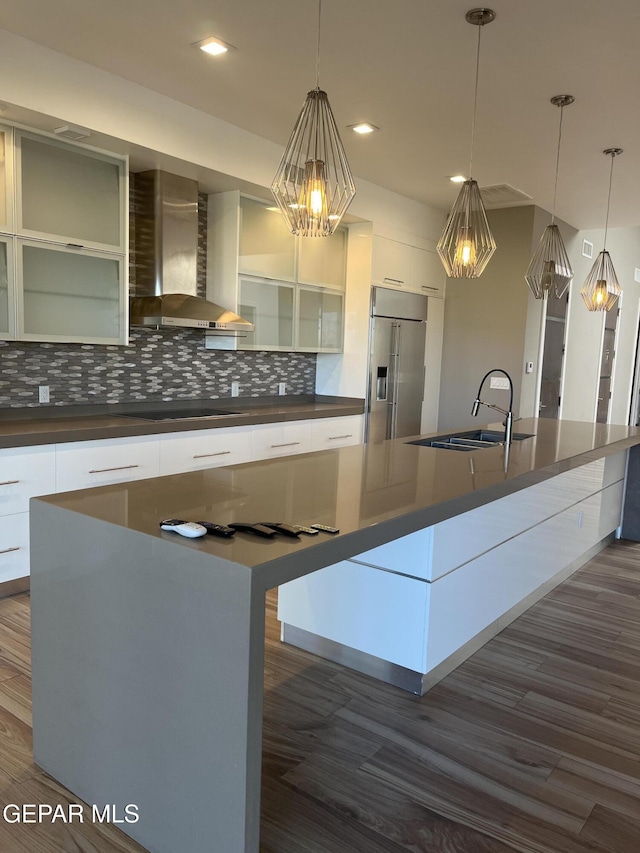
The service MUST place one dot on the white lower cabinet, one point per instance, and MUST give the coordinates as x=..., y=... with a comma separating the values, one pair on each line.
x=207, y=448
x=84, y=464
x=14, y=546
x=283, y=439
x=421, y=599
x=327, y=433
x=24, y=473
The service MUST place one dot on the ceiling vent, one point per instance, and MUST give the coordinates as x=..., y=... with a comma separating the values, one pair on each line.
x=503, y=195
x=72, y=131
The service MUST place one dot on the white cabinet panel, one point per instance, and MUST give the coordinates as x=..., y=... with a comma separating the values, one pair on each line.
x=327, y=433
x=391, y=262
x=375, y=612
x=427, y=273
x=7, y=290
x=323, y=261
x=271, y=440
x=434, y=551
x=84, y=464
x=269, y=305
x=14, y=547
x=266, y=246
x=24, y=473
x=210, y=448
x=320, y=320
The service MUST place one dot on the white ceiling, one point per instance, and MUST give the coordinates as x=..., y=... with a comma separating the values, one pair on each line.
x=404, y=65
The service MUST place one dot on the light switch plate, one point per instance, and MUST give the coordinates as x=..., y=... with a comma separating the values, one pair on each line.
x=43, y=393
x=499, y=382
x=282, y=388
x=235, y=389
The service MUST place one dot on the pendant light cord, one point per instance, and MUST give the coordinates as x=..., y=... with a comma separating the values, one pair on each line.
x=606, y=221
x=555, y=186
x=475, y=103
x=318, y=50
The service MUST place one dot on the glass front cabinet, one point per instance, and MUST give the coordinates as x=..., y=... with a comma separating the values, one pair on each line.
x=63, y=270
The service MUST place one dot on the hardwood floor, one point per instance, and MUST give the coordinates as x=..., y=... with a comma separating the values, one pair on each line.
x=533, y=744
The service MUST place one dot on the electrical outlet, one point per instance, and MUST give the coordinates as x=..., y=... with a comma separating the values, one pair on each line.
x=282, y=388
x=499, y=382
x=43, y=393
x=529, y=367
x=235, y=389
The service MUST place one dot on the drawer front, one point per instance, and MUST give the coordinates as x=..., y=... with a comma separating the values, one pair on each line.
x=375, y=612
x=466, y=601
x=336, y=432
x=24, y=473
x=84, y=464
x=436, y=550
x=210, y=448
x=271, y=440
x=14, y=546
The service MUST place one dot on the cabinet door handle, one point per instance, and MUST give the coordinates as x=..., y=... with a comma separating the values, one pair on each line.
x=105, y=470
x=9, y=482
x=336, y=437
x=288, y=444
x=206, y=455
x=393, y=280
x=75, y=246
x=426, y=287
x=9, y=550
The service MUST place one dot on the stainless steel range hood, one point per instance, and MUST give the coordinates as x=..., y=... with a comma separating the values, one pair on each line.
x=166, y=259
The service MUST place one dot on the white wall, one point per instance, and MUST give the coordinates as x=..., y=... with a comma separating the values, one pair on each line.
x=585, y=328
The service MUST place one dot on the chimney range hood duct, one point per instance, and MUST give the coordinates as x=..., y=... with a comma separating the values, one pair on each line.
x=166, y=253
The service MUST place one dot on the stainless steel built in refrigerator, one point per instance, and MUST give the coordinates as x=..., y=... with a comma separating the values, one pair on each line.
x=396, y=363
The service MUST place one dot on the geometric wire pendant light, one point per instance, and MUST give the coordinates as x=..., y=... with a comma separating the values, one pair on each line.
x=549, y=272
x=467, y=244
x=601, y=288
x=313, y=186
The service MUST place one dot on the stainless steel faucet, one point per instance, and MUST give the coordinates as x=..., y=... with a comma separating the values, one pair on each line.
x=508, y=424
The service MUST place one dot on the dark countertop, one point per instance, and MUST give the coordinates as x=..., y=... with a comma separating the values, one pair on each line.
x=56, y=424
x=374, y=493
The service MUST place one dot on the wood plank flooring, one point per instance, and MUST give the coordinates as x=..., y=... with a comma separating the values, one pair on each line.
x=533, y=744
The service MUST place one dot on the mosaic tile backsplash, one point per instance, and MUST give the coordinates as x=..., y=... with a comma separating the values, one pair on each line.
x=170, y=364
x=157, y=365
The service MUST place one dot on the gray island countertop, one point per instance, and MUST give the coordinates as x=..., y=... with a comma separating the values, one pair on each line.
x=372, y=493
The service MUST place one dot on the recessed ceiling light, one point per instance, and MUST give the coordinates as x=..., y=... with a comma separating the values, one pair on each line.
x=363, y=127
x=457, y=179
x=214, y=46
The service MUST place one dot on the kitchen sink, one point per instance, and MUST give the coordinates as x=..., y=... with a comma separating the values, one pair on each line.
x=471, y=440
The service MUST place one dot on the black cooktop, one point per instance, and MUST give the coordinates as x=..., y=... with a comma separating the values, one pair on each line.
x=177, y=414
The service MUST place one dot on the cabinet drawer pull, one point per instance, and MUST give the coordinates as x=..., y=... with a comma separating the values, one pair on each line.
x=105, y=470
x=206, y=455
x=393, y=280
x=9, y=482
x=75, y=246
x=336, y=437
x=9, y=550
x=288, y=444
x=426, y=287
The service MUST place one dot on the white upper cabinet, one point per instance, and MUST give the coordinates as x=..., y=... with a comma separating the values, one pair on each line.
x=323, y=260
x=267, y=247
x=7, y=291
x=68, y=194
x=269, y=305
x=427, y=273
x=73, y=295
x=6, y=179
x=320, y=320
x=406, y=267
x=391, y=263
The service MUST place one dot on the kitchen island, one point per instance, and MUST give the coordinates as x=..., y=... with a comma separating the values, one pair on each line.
x=148, y=649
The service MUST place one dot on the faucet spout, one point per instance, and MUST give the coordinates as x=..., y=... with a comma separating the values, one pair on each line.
x=508, y=424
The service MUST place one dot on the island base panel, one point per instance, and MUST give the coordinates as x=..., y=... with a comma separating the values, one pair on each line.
x=147, y=681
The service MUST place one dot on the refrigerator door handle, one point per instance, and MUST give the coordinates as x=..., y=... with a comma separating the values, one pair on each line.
x=395, y=354
x=424, y=379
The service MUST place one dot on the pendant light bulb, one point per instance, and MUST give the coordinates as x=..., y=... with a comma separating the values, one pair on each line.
x=467, y=244
x=313, y=186
x=549, y=273
x=601, y=289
